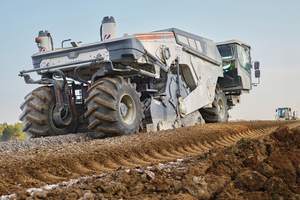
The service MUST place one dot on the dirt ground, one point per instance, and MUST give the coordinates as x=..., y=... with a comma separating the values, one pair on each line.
x=201, y=162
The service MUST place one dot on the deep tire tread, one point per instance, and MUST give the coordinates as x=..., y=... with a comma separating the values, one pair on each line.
x=26, y=101
x=108, y=130
x=43, y=98
x=40, y=133
x=105, y=103
x=38, y=108
x=23, y=114
x=95, y=107
x=111, y=80
x=36, y=114
x=108, y=91
x=105, y=119
x=114, y=82
x=25, y=127
x=99, y=82
x=91, y=97
x=94, y=124
x=38, y=121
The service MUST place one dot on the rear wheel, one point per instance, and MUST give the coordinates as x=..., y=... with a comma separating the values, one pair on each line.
x=37, y=116
x=114, y=108
x=219, y=110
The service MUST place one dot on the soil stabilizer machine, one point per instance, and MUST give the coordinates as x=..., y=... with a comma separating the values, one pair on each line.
x=158, y=80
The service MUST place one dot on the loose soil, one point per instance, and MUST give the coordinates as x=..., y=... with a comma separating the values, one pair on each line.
x=242, y=160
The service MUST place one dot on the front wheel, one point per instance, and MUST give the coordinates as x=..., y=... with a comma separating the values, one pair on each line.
x=114, y=107
x=219, y=110
x=37, y=116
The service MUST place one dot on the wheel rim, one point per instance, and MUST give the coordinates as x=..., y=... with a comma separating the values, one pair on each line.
x=127, y=109
x=221, y=108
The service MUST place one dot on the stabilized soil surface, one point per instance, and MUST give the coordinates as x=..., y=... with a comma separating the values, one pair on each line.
x=245, y=160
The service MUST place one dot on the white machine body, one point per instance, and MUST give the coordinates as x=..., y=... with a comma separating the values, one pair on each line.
x=162, y=80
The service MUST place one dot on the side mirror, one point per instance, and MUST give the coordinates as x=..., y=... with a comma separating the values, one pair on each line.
x=257, y=73
x=256, y=65
x=276, y=110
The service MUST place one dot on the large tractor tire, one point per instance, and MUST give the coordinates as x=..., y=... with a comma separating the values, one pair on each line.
x=37, y=114
x=219, y=110
x=114, y=108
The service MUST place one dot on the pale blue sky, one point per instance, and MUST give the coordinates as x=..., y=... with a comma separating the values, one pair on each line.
x=271, y=27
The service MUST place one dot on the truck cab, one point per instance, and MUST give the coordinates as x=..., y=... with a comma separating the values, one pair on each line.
x=285, y=114
x=237, y=66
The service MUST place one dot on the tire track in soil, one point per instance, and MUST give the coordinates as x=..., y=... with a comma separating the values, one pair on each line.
x=49, y=165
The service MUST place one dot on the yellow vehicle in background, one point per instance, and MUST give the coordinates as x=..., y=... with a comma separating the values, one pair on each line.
x=286, y=114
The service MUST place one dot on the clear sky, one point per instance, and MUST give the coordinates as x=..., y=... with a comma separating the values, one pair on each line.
x=271, y=27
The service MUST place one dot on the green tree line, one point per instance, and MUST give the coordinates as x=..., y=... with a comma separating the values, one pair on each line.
x=11, y=132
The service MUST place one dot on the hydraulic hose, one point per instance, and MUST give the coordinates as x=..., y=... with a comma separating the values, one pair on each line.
x=61, y=74
x=62, y=89
x=80, y=67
